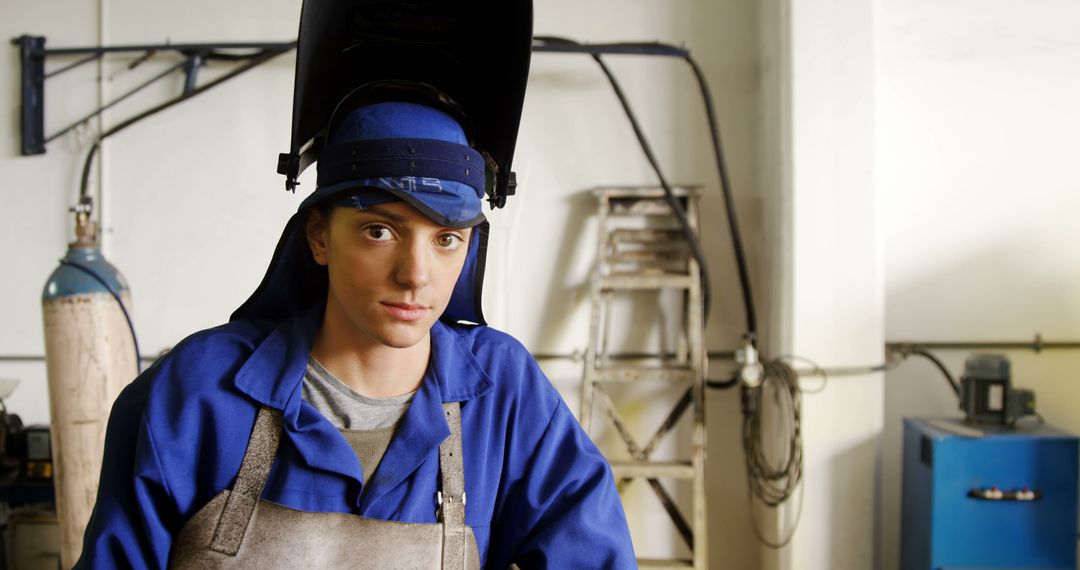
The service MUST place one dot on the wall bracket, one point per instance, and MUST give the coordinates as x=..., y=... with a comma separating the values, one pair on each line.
x=33, y=55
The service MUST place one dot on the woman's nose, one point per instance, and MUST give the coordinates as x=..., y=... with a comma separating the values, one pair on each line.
x=413, y=269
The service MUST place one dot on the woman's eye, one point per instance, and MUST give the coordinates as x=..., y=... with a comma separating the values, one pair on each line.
x=449, y=241
x=378, y=233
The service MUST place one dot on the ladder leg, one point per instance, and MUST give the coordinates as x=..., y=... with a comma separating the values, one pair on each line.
x=695, y=332
x=588, y=377
x=588, y=381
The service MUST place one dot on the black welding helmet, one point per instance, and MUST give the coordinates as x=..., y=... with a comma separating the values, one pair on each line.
x=475, y=52
x=375, y=105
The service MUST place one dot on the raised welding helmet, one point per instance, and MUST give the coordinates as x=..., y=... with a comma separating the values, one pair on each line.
x=399, y=99
x=475, y=52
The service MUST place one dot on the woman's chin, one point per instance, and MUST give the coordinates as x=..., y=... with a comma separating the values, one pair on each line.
x=403, y=335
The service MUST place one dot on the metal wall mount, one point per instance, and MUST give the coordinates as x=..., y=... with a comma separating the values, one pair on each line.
x=192, y=57
x=33, y=55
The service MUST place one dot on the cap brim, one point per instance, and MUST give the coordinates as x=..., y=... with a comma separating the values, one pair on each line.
x=452, y=209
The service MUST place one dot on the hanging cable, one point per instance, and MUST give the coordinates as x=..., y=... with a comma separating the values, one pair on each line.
x=773, y=477
x=254, y=61
x=718, y=154
x=771, y=480
x=815, y=370
x=785, y=536
x=723, y=384
x=115, y=102
x=939, y=364
x=84, y=185
x=729, y=202
x=669, y=195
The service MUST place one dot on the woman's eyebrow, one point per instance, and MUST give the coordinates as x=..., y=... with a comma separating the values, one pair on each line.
x=384, y=213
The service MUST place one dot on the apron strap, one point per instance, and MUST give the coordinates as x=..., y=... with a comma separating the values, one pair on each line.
x=452, y=496
x=259, y=457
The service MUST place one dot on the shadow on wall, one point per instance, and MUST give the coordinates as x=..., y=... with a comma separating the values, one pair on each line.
x=562, y=300
x=725, y=40
x=845, y=514
x=732, y=542
x=12, y=136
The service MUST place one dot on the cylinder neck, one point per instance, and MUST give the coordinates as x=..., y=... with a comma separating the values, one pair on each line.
x=86, y=231
x=84, y=253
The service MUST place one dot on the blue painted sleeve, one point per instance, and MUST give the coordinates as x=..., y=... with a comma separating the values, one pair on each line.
x=574, y=517
x=134, y=518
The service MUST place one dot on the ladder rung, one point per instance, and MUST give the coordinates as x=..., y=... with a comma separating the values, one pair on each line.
x=654, y=563
x=676, y=246
x=647, y=236
x=641, y=255
x=641, y=373
x=653, y=469
x=640, y=207
x=646, y=281
x=646, y=191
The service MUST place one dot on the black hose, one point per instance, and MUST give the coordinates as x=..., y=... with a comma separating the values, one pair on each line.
x=722, y=384
x=254, y=61
x=729, y=203
x=941, y=366
x=669, y=195
x=721, y=165
x=770, y=482
x=116, y=101
x=672, y=200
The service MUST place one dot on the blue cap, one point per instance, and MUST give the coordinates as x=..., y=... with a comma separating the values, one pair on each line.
x=403, y=151
x=379, y=153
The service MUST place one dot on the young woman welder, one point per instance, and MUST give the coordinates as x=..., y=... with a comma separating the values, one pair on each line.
x=348, y=416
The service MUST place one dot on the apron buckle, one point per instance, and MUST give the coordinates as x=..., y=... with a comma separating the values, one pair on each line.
x=449, y=499
x=440, y=498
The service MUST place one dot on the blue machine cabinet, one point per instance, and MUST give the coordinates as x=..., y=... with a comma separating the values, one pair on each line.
x=985, y=497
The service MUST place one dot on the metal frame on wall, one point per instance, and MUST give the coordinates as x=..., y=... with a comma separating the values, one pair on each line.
x=33, y=55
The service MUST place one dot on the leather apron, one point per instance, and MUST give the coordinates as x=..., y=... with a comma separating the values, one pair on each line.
x=238, y=529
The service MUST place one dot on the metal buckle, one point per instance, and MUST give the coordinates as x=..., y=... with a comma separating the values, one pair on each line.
x=439, y=498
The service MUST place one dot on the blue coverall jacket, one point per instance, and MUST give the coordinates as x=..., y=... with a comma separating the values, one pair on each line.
x=538, y=491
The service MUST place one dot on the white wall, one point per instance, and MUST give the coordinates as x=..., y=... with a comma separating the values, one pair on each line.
x=978, y=138
x=831, y=273
x=192, y=206
x=170, y=211
x=34, y=240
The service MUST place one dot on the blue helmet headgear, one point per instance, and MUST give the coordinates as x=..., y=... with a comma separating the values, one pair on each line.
x=406, y=151
x=381, y=152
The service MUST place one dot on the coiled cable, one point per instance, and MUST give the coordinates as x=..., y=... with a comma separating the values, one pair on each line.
x=773, y=475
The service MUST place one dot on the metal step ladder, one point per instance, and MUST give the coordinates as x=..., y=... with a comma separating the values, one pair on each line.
x=652, y=254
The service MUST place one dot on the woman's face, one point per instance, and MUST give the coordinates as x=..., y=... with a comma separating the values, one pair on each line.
x=391, y=269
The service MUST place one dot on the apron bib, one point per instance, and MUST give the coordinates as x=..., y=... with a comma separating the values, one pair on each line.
x=237, y=529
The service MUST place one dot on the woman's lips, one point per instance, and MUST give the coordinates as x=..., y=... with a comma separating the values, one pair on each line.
x=405, y=311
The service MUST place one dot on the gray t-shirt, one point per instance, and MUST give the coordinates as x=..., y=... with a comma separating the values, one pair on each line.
x=367, y=424
x=347, y=409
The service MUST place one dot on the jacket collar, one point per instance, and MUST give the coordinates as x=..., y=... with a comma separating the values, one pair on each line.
x=273, y=374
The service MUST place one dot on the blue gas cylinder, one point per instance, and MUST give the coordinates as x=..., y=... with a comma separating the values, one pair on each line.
x=90, y=356
x=71, y=277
